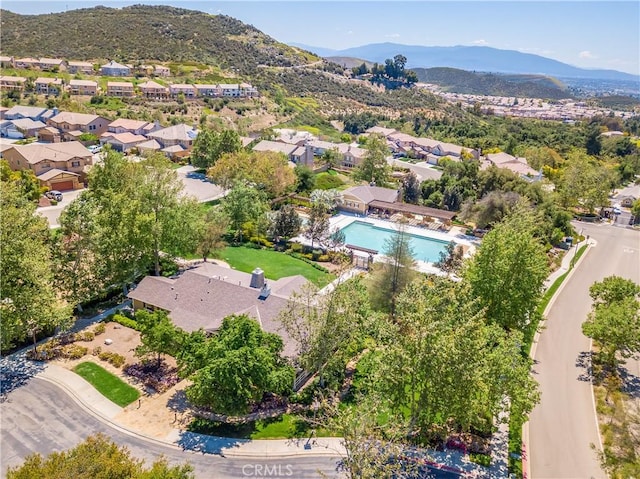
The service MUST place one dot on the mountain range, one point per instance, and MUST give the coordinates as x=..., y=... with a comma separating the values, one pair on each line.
x=472, y=58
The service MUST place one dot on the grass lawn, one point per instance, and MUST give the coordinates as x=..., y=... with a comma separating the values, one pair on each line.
x=274, y=264
x=285, y=427
x=110, y=386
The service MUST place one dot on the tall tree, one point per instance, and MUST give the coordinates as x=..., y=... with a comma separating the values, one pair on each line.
x=585, y=183
x=158, y=335
x=507, y=272
x=374, y=167
x=411, y=188
x=305, y=178
x=243, y=204
x=391, y=275
x=210, y=145
x=317, y=229
x=286, y=223
x=214, y=227
x=450, y=260
x=29, y=303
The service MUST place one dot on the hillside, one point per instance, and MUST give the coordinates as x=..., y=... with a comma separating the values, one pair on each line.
x=484, y=59
x=461, y=81
x=138, y=33
x=349, y=62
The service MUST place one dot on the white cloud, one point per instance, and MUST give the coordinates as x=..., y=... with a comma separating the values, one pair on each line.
x=481, y=41
x=350, y=32
x=586, y=54
x=392, y=35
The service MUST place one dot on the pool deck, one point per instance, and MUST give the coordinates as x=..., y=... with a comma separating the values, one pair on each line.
x=342, y=220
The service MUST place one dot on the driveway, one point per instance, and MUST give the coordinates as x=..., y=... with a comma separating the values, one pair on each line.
x=40, y=417
x=52, y=213
x=197, y=185
x=563, y=426
x=423, y=170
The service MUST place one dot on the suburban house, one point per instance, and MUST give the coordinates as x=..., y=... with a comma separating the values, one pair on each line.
x=189, y=91
x=48, y=86
x=353, y=156
x=17, y=112
x=293, y=137
x=83, y=87
x=300, y=155
x=52, y=64
x=21, y=128
x=123, y=142
x=80, y=67
x=48, y=134
x=202, y=297
x=208, y=90
x=115, y=69
x=6, y=62
x=248, y=91
x=70, y=123
x=512, y=163
x=59, y=166
x=27, y=62
x=149, y=146
x=12, y=83
x=120, y=88
x=137, y=127
x=161, y=71
x=176, y=135
x=153, y=90
x=626, y=200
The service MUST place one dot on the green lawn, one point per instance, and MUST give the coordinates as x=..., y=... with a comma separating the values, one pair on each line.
x=110, y=386
x=274, y=264
x=286, y=426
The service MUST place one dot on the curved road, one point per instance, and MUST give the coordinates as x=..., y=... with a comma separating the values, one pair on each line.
x=40, y=417
x=563, y=426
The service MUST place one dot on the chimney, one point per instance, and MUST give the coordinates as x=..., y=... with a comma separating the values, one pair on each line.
x=257, y=278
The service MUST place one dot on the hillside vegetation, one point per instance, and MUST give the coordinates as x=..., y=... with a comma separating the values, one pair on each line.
x=462, y=81
x=144, y=32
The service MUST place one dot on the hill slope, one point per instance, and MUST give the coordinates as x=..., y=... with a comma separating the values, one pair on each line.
x=144, y=32
x=460, y=81
x=485, y=59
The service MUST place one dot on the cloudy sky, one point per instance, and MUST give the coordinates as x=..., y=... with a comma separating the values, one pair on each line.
x=587, y=34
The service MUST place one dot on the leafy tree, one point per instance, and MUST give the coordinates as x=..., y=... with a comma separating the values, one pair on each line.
x=411, y=188
x=594, y=143
x=25, y=180
x=157, y=334
x=267, y=171
x=241, y=205
x=327, y=200
x=507, y=272
x=450, y=260
x=286, y=223
x=394, y=273
x=237, y=366
x=96, y=457
x=210, y=145
x=374, y=167
x=29, y=303
x=614, y=321
x=635, y=208
x=214, y=228
x=317, y=228
x=331, y=157
x=305, y=178
x=491, y=209
x=585, y=183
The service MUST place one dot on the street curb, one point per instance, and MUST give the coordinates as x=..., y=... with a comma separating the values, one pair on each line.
x=226, y=453
x=526, y=473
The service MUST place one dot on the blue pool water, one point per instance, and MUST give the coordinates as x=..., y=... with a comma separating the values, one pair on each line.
x=369, y=236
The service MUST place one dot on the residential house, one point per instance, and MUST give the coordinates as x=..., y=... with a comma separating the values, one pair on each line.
x=115, y=69
x=17, y=112
x=149, y=146
x=379, y=130
x=51, y=163
x=181, y=134
x=248, y=91
x=294, y=153
x=161, y=71
x=12, y=83
x=85, y=68
x=189, y=91
x=353, y=156
x=153, y=90
x=48, y=86
x=202, y=297
x=144, y=69
x=512, y=163
x=293, y=137
x=137, y=127
x=229, y=89
x=122, y=142
x=72, y=125
x=20, y=128
x=626, y=200
x=358, y=198
x=83, y=87
x=27, y=62
x=211, y=91
x=6, y=62
x=52, y=64
x=49, y=134
x=120, y=88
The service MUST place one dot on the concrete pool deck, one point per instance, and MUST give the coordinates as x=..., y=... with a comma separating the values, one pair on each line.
x=341, y=221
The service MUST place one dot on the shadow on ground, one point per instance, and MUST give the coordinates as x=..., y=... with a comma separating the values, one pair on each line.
x=630, y=383
x=192, y=441
x=16, y=371
x=584, y=362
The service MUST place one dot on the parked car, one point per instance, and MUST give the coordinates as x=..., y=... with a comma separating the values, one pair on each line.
x=95, y=149
x=54, y=195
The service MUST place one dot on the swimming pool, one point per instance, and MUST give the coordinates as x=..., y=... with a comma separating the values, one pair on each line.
x=369, y=236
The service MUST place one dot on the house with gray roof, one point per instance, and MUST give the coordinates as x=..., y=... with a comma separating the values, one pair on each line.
x=115, y=69
x=200, y=298
x=36, y=113
x=180, y=134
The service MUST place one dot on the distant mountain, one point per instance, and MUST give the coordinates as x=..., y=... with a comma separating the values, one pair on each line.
x=484, y=59
x=461, y=81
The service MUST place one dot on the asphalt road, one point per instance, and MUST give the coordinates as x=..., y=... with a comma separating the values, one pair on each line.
x=40, y=417
x=563, y=426
x=422, y=171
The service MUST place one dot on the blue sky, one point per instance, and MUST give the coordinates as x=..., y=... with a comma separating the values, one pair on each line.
x=587, y=34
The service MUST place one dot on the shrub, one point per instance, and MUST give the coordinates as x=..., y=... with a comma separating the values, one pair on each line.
x=84, y=336
x=324, y=258
x=124, y=321
x=159, y=378
x=296, y=247
x=112, y=358
x=73, y=351
x=96, y=351
x=99, y=329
